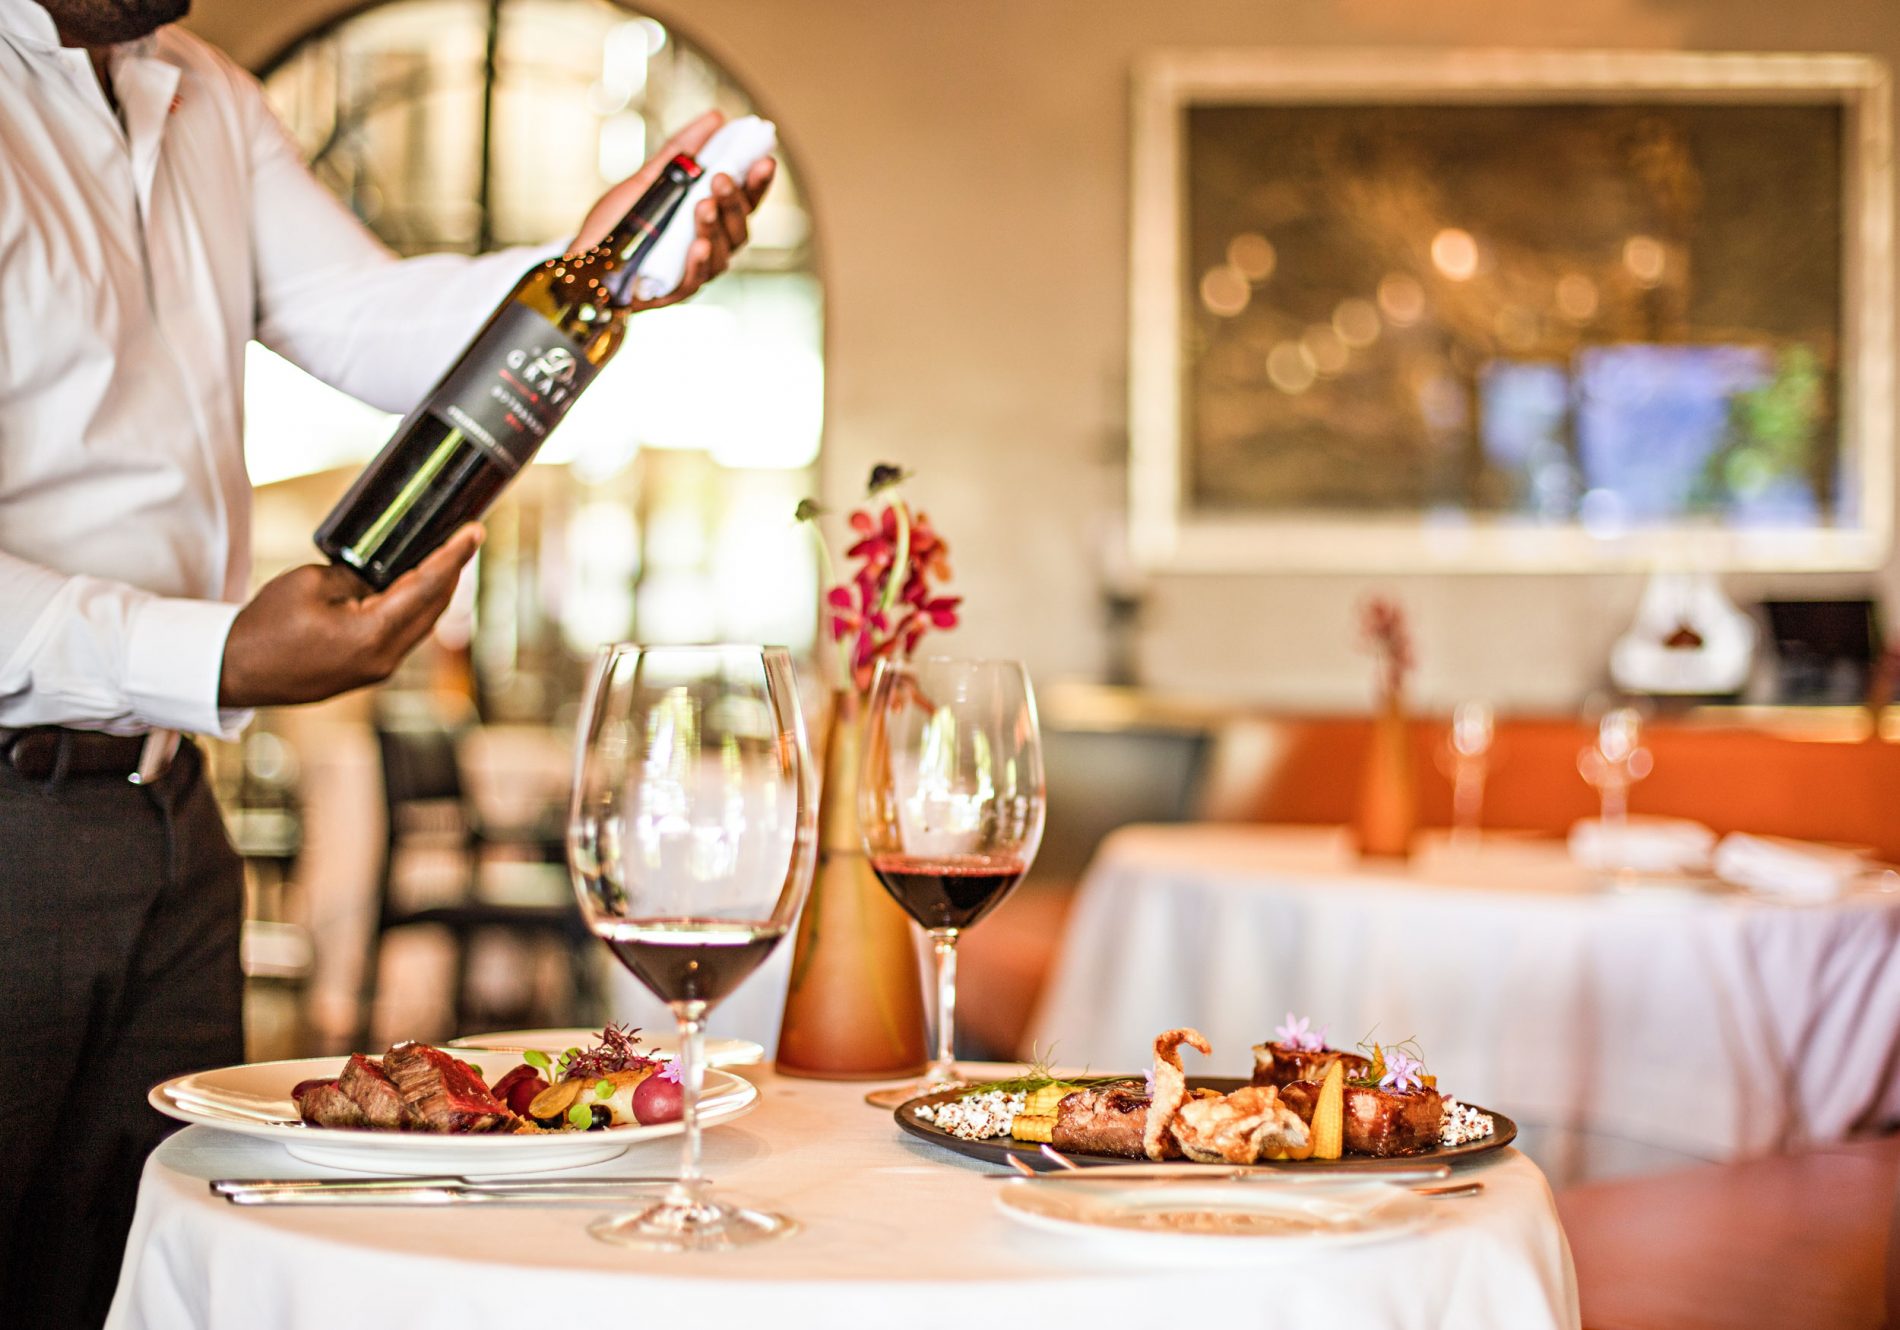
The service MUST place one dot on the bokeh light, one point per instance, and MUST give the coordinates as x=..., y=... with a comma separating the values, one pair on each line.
x=1252, y=255
x=1455, y=254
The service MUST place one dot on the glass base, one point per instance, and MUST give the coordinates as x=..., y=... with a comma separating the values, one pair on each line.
x=893, y=1096
x=706, y=1226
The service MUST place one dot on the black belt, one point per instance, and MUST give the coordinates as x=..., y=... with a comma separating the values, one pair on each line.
x=44, y=751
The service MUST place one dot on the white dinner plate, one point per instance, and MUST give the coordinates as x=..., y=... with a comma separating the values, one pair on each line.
x=1268, y=1219
x=254, y=1100
x=719, y=1052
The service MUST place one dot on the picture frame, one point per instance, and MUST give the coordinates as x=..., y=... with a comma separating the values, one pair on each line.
x=1223, y=477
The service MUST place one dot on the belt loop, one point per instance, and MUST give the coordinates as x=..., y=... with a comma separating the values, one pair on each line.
x=62, y=763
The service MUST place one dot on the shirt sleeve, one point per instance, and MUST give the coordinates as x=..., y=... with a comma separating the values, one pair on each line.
x=334, y=300
x=87, y=651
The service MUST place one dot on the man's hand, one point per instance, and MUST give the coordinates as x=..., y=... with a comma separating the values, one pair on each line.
x=720, y=220
x=316, y=631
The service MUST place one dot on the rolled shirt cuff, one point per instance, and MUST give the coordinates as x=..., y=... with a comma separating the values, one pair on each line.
x=174, y=658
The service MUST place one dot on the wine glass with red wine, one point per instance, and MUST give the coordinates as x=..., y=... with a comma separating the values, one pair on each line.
x=691, y=838
x=950, y=801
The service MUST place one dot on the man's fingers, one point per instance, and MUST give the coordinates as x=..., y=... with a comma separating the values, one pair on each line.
x=732, y=209
x=422, y=593
x=758, y=178
x=691, y=137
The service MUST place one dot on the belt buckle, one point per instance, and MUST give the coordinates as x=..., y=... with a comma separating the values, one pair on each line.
x=155, y=758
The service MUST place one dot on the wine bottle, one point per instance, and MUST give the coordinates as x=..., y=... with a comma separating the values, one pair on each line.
x=485, y=419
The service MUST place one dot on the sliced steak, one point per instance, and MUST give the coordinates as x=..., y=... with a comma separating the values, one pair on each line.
x=322, y=1104
x=440, y=1094
x=365, y=1082
x=1104, y=1120
x=1283, y=1064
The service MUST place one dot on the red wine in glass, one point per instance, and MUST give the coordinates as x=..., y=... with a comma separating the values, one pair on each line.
x=948, y=892
x=689, y=960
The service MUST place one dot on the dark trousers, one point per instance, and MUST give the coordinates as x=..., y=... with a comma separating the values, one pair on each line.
x=119, y=915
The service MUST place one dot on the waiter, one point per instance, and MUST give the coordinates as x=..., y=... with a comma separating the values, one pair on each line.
x=154, y=216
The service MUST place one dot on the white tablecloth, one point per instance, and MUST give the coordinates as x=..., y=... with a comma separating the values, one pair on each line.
x=1707, y=1025
x=895, y=1233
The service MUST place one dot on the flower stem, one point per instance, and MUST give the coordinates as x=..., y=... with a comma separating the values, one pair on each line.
x=900, y=559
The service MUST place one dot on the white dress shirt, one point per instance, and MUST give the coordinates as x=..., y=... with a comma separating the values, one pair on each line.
x=138, y=253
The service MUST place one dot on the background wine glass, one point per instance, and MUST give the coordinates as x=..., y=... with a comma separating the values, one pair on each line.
x=691, y=839
x=950, y=802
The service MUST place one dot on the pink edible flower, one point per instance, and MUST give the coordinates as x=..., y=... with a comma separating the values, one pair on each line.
x=1298, y=1033
x=1401, y=1072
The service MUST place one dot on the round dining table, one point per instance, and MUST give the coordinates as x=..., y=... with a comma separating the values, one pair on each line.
x=893, y=1231
x=1627, y=1024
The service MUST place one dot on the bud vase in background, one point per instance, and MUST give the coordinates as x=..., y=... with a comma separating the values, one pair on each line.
x=854, y=1007
x=1387, y=816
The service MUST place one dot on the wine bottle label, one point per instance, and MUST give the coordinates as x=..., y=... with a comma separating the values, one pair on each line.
x=513, y=385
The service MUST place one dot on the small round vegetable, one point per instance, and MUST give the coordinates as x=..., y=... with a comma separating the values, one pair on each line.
x=603, y=1117
x=656, y=1100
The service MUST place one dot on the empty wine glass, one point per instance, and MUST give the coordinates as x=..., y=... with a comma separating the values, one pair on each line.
x=1617, y=761
x=950, y=802
x=1466, y=758
x=691, y=838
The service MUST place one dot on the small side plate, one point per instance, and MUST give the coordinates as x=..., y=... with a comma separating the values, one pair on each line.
x=1215, y=1218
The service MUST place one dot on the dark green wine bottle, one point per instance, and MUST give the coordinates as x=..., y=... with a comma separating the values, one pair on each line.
x=458, y=449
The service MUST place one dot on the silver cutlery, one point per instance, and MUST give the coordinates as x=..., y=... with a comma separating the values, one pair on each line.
x=1070, y=1171
x=453, y=1190
x=1446, y=1193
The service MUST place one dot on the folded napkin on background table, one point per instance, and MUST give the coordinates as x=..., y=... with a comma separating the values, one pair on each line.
x=1642, y=844
x=1787, y=870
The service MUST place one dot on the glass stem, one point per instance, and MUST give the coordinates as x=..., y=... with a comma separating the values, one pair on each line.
x=691, y=1187
x=943, y=1068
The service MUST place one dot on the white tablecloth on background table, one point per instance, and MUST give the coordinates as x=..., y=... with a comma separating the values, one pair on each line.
x=895, y=1233
x=1706, y=1024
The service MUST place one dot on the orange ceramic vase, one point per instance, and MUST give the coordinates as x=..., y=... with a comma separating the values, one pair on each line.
x=854, y=1009
x=1388, y=803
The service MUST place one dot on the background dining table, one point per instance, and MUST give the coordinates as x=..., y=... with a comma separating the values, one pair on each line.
x=895, y=1231
x=1624, y=1028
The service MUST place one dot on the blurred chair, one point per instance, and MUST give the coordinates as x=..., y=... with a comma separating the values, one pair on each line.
x=1781, y=1241
x=510, y=881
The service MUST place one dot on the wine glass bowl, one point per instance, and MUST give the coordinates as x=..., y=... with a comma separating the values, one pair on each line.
x=950, y=805
x=691, y=839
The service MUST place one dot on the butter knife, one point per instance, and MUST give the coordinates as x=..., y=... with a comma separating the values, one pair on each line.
x=431, y=1191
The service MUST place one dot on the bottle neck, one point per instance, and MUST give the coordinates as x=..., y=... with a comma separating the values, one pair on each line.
x=636, y=233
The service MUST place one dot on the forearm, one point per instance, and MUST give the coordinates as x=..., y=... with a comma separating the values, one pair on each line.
x=98, y=654
x=384, y=329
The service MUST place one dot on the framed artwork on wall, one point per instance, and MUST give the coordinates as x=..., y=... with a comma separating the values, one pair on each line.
x=1501, y=311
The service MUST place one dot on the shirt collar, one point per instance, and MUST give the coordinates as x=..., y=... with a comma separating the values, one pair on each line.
x=28, y=22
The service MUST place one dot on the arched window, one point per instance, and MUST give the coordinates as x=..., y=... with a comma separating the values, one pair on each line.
x=663, y=508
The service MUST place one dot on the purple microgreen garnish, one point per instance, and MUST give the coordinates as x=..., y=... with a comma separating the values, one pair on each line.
x=617, y=1049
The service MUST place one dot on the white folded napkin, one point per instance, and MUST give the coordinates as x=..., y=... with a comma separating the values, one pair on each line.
x=732, y=152
x=1643, y=845
x=1787, y=870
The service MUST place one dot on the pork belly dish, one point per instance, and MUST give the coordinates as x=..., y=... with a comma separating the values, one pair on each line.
x=1306, y=1101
